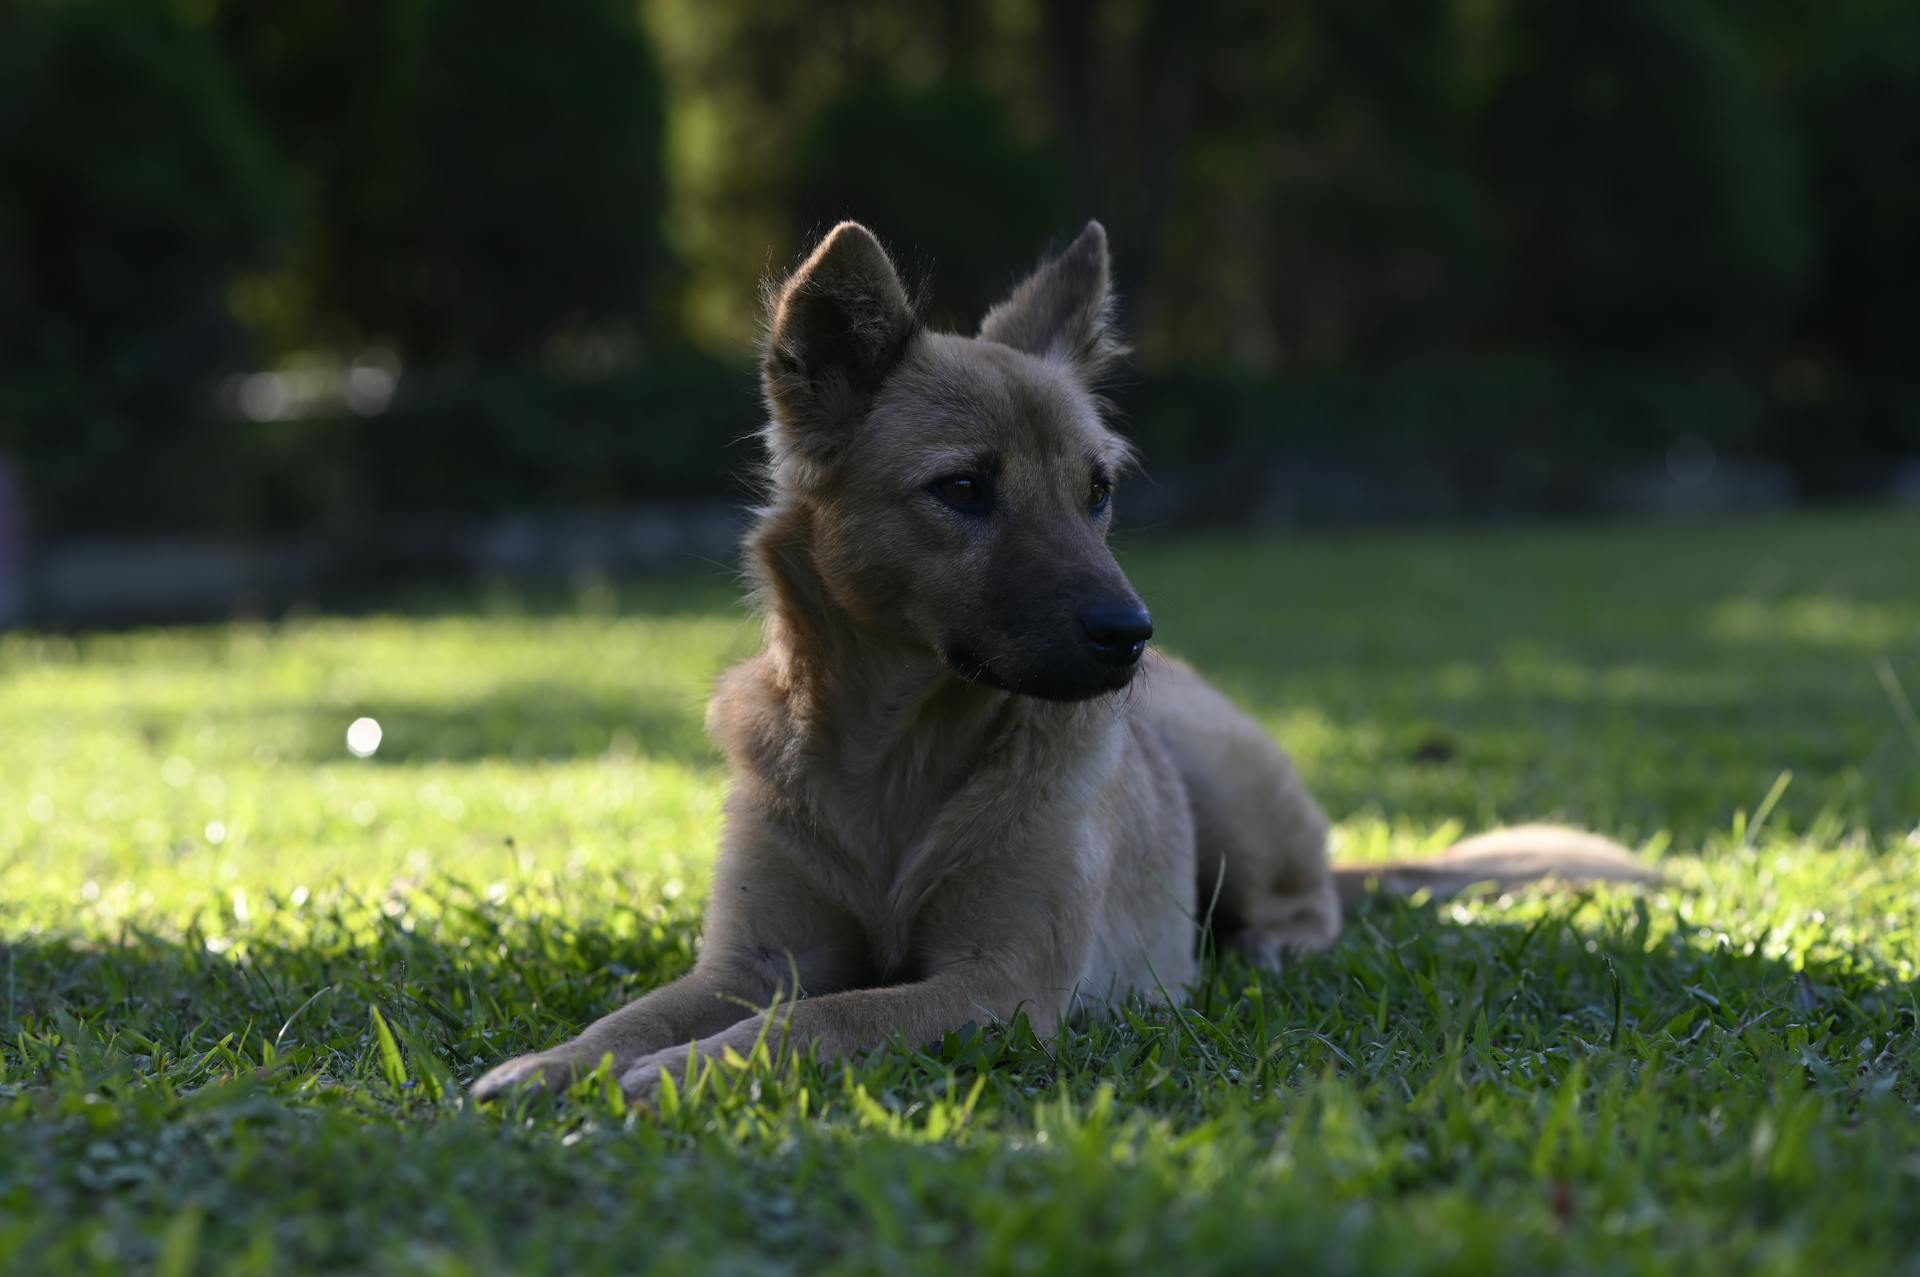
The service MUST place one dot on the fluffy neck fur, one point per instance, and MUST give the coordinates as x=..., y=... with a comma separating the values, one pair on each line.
x=864, y=702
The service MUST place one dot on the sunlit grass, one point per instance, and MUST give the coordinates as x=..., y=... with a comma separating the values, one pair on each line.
x=245, y=973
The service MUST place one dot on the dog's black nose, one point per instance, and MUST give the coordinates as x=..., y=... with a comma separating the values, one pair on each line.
x=1118, y=631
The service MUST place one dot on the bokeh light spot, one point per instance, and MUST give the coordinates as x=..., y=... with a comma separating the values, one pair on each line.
x=363, y=737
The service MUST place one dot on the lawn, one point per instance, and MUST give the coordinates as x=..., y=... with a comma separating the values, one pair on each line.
x=245, y=974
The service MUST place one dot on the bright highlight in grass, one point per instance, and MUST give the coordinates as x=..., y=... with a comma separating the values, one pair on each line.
x=363, y=737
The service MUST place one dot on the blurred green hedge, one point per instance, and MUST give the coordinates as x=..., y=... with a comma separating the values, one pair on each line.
x=1533, y=435
x=679, y=429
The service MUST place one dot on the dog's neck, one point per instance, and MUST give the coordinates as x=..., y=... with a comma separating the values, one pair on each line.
x=861, y=696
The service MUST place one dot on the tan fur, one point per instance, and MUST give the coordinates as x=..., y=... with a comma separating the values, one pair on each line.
x=944, y=809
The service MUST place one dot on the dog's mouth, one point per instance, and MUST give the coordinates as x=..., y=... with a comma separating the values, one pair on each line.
x=1068, y=678
x=969, y=666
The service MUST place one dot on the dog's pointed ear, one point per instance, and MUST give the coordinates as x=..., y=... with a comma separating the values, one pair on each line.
x=835, y=328
x=1064, y=310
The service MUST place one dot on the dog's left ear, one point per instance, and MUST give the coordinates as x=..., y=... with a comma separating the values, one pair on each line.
x=1064, y=310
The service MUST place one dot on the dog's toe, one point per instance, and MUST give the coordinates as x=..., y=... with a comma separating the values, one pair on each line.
x=541, y=1072
x=642, y=1081
x=1285, y=929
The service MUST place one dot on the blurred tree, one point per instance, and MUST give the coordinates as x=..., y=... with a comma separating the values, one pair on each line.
x=1374, y=230
x=138, y=187
x=1859, y=103
x=1651, y=195
x=484, y=177
x=942, y=160
x=753, y=82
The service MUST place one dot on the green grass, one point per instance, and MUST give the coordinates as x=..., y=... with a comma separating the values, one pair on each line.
x=244, y=975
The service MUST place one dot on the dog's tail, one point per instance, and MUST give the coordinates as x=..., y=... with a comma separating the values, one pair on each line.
x=1503, y=859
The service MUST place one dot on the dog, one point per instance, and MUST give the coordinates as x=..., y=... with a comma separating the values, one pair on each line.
x=963, y=788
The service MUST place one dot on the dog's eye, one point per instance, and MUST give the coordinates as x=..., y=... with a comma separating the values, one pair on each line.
x=1099, y=494
x=965, y=492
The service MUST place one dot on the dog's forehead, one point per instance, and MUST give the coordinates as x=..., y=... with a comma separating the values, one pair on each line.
x=963, y=393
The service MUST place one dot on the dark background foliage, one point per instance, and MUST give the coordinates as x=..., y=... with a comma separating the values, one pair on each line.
x=491, y=256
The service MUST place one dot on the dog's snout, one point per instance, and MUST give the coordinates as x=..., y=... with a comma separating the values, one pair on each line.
x=1117, y=631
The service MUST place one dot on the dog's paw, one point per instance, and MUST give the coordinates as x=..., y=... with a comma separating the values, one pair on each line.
x=1287, y=929
x=641, y=1081
x=550, y=1071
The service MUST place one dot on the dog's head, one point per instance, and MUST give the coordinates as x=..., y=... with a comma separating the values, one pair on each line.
x=955, y=492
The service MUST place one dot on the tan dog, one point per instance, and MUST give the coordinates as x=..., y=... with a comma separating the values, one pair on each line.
x=961, y=789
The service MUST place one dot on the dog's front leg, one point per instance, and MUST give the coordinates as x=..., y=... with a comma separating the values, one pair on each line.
x=702, y=1002
x=765, y=930
x=841, y=1024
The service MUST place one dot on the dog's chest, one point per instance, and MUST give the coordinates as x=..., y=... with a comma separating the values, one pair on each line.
x=874, y=839
x=887, y=855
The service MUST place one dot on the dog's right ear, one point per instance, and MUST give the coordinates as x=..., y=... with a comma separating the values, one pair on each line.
x=835, y=328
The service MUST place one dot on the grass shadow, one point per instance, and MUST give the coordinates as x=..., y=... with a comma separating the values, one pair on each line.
x=476, y=980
